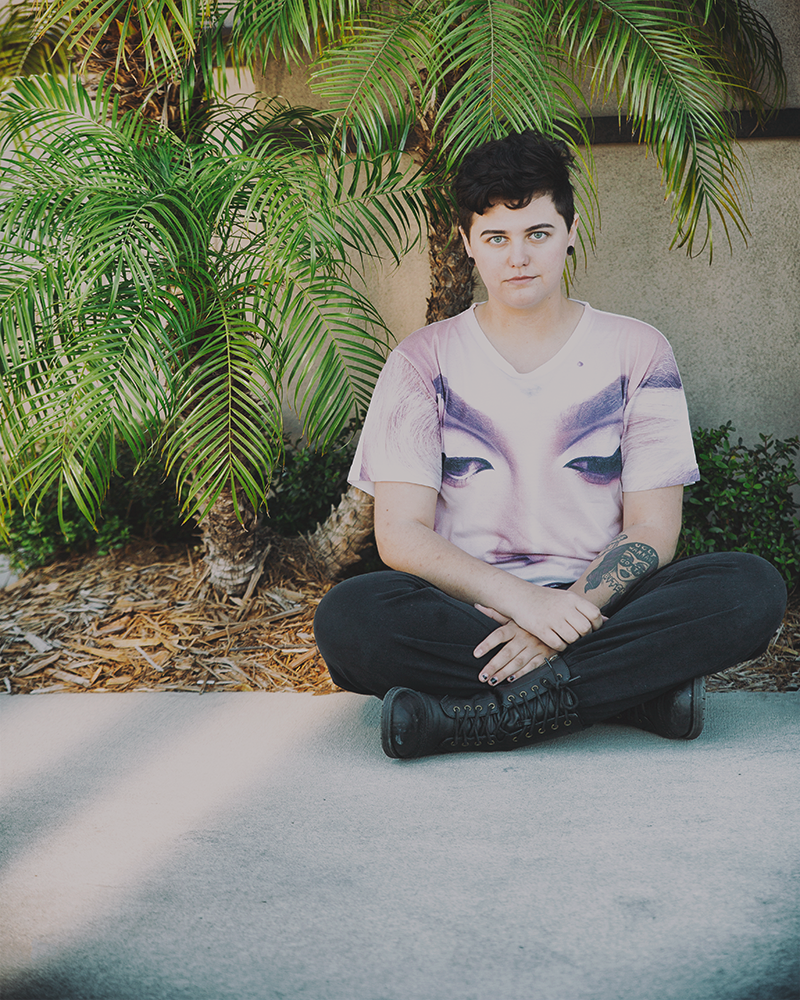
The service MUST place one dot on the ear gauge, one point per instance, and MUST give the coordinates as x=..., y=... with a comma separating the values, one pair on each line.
x=570, y=251
x=471, y=260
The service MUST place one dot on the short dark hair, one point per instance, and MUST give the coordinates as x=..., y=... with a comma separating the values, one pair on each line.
x=513, y=171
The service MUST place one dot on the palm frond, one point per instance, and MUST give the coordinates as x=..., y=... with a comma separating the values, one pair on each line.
x=374, y=75
x=288, y=29
x=669, y=80
x=332, y=343
x=23, y=50
x=167, y=32
x=228, y=431
x=498, y=72
x=98, y=382
x=747, y=53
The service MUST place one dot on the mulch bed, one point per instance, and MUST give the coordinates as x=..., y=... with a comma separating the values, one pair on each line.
x=146, y=619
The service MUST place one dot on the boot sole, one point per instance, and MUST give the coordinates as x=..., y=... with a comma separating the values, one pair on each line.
x=386, y=728
x=698, y=708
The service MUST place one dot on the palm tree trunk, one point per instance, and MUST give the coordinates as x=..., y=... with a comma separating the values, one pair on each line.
x=135, y=88
x=452, y=273
x=341, y=539
x=233, y=547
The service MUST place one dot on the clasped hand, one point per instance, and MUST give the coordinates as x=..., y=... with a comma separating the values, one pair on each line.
x=560, y=618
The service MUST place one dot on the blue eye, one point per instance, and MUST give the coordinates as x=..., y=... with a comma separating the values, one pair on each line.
x=458, y=471
x=599, y=470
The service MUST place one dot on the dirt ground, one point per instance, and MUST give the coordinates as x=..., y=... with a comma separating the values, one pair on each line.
x=146, y=619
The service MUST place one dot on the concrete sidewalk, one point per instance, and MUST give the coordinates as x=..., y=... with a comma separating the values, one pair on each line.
x=249, y=846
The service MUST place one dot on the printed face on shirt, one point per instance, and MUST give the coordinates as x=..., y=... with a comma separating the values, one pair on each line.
x=580, y=451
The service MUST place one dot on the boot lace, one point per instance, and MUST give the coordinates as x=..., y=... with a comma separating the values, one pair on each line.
x=524, y=715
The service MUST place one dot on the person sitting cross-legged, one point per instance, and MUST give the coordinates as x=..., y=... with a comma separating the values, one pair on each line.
x=527, y=459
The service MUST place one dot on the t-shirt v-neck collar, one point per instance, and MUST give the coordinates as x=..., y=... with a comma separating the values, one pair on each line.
x=497, y=359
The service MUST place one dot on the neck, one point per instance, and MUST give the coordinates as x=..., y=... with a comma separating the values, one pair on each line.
x=541, y=323
x=528, y=338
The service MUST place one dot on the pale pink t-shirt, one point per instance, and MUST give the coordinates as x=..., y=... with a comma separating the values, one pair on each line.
x=529, y=468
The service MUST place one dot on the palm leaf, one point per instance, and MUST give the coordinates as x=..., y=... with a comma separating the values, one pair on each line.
x=23, y=50
x=287, y=29
x=375, y=73
x=229, y=430
x=670, y=81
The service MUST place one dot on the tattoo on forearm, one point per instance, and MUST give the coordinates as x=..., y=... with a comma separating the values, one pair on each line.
x=613, y=544
x=622, y=565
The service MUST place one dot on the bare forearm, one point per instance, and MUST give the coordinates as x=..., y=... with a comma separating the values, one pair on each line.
x=632, y=555
x=553, y=616
x=419, y=550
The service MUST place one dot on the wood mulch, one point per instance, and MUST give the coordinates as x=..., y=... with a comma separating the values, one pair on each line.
x=146, y=619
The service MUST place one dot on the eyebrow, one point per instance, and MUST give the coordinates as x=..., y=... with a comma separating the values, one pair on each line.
x=583, y=417
x=530, y=229
x=459, y=413
x=664, y=376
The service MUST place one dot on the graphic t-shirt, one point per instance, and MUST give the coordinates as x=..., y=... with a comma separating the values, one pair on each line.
x=529, y=468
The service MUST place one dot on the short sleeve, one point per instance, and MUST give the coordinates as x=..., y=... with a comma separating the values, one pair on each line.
x=657, y=448
x=401, y=440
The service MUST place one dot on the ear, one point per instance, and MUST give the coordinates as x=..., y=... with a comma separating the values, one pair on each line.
x=573, y=232
x=465, y=241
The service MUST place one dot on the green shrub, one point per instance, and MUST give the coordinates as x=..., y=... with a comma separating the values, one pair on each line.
x=140, y=503
x=309, y=483
x=143, y=504
x=743, y=500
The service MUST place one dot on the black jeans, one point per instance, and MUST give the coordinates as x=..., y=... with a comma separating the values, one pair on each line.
x=693, y=617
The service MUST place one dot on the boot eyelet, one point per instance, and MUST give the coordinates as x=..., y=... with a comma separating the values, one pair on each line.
x=541, y=732
x=554, y=727
x=567, y=723
x=492, y=706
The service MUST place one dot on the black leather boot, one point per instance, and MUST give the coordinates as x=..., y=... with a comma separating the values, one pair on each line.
x=539, y=706
x=676, y=715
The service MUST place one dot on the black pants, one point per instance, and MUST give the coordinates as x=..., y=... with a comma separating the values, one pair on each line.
x=696, y=616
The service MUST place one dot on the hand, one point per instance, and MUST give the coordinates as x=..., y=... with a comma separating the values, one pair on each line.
x=558, y=617
x=521, y=652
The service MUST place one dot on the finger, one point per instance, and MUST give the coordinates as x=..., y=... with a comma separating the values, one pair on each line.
x=552, y=639
x=499, y=635
x=516, y=648
x=517, y=666
x=582, y=625
x=491, y=613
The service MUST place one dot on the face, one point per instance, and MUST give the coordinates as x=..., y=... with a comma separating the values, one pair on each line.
x=577, y=452
x=520, y=252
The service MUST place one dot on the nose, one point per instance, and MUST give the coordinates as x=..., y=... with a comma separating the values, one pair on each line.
x=519, y=255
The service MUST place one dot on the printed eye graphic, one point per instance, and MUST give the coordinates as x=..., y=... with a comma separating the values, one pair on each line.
x=458, y=471
x=600, y=470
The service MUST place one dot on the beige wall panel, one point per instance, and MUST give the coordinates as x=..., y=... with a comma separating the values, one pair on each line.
x=784, y=17
x=735, y=323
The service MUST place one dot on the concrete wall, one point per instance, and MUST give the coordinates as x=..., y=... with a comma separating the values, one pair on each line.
x=734, y=323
